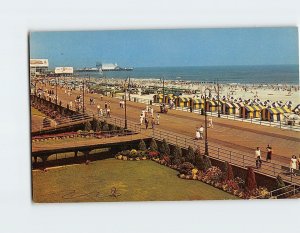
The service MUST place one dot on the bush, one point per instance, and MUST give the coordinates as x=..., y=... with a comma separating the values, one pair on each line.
x=112, y=127
x=105, y=127
x=190, y=156
x=228, y=173
x=133, y=153
x=94, y=124
x=250, y=181
x=214, y=174
x=87, y=126
x=164, y=148
x=153, y=154
x=207, y=163
x=125, y=152
x=177, y=154
x=186, y=168
x=98, y=126
x=199, y=160
x=142, y=145
x=153, y=145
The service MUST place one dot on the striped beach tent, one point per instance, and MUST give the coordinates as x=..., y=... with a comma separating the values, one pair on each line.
x=229, y=108
x=222, y=105
x=236, y=108
x=169, y=97
x=253, y=111
x=197, y=103
x=274, y=114
x=158, y=98
x=211, y=106
x=182, y=101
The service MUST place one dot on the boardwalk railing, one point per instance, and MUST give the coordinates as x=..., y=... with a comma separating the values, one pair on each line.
x=283, y=192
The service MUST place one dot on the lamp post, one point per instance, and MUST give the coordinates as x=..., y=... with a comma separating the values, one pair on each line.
x=56, y=90
x=205, y=117
x=125, y=107
x=218, y=88
x=83, y=95
x=163, y=89
x=129, y=87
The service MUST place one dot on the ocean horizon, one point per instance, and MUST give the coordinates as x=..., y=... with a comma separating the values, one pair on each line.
x=244, y=74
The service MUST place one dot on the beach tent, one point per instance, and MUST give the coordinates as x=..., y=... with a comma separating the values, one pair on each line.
x=229, y=108
x=248, y=111
x=197, y=103
x=274, y=114
x=222, y=106
x=169, y=97
x=211, y=106
x=236, y=108
x=158, y=98
x=182, y=101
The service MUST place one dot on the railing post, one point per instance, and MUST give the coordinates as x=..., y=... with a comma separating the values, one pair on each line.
x=230, y=157
x=185, y=143
x=218, y=152
x=243, y=160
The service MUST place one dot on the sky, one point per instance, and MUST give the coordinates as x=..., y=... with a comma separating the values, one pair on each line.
x=167, y=48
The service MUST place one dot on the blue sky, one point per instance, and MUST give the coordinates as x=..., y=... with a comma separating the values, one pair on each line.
x=153, y=48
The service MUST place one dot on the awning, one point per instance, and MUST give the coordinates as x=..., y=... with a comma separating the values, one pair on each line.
x=184, y=99
x=258, y=107
x=212, y=103
x=229, y=105
x=236, y=105
x=279, y=110
x=241, y=104
x=198, y=101
x=249, y=108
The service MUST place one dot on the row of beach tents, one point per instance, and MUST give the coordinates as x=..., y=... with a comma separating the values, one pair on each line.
x=244, y=109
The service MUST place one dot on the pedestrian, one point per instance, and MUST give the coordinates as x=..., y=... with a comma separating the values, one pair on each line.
x=269, y=153
x=108, y=112
x=100, y=112
x=197, y=134
x=146, y=123
x=201, y=130
x=152, y=122
x=71, y=105
x=120, y=103
x=210, y=123
x=98, y=108
x=293, y=165
x=157, y=118
x=151, y=110
x=258, y=161
x=299, y=162
x=141, y=119
x=105, y=105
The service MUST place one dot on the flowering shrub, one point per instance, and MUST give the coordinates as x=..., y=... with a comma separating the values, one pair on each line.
x=263, y=192
x=133, y=153
x=213, y=174
x=153, y=154
x=231, y=185
x=186, y=168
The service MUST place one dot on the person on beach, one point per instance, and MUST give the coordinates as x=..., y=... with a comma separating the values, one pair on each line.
x=157, y=118
x=293, y=165
x=258, y=161
x=269, y=153
x=201, y=130
x=146, y=123
x=141, y=119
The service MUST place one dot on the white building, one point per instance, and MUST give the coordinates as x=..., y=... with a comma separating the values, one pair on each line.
x=38, y=67
x=64, y=71
x=109, y=66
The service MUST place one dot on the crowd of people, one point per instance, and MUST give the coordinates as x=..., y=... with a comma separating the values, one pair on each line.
x=147, y=117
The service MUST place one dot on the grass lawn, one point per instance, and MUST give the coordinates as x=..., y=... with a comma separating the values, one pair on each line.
x=133, y=180
x=37, y=112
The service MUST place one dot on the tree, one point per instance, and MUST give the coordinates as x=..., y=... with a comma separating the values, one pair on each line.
x=98, y=126
x=228, y=173
x=112, y=127
x=142, y=145
x=153, y=145
x=190, y=156
x=177, y=155
x=164, y=148
x=105, y=127
x=279, y=182
x=94, y=123
x=199, y=161
x=87, y=126
x=250, y=180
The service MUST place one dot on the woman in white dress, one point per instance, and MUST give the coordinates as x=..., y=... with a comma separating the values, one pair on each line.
x=293, y=164
x=197, y=134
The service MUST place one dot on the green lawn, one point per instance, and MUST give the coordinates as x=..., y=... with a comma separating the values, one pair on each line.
x=37, y=112
x=134, y=181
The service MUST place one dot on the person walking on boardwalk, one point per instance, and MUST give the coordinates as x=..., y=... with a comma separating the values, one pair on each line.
x=152, y=122
x=269, y=153
x=98, y=109
x=197, y=134
x=293, y=165
x=146, y=123
x=210, y=123
x=141, y=118
x=108, y=112
x=105, y=105
x=157, y=118
x=201, y=130
x=258, y=161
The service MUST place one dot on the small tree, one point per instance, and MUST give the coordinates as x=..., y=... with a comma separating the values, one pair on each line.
x=112, y=127
x=250, y=180
x=207, y=162
x=153, y=145
x=87, y=126
x=98, y=126
x=177, y=155
x=105, y=127
x=228, y=173
x=142, y=145
x=164, y=149
x=279, y=182
x=94, y=123
x=190, y=156
x=199, y=161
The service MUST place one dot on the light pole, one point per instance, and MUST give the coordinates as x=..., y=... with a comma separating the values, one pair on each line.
x=218, y=88
x=205, y=117
x=163, y=89
x=83, y=95
x=125, y=107
x=129, y=87
x=56, y=90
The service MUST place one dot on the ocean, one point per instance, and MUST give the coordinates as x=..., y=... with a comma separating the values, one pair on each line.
x=275, y=74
